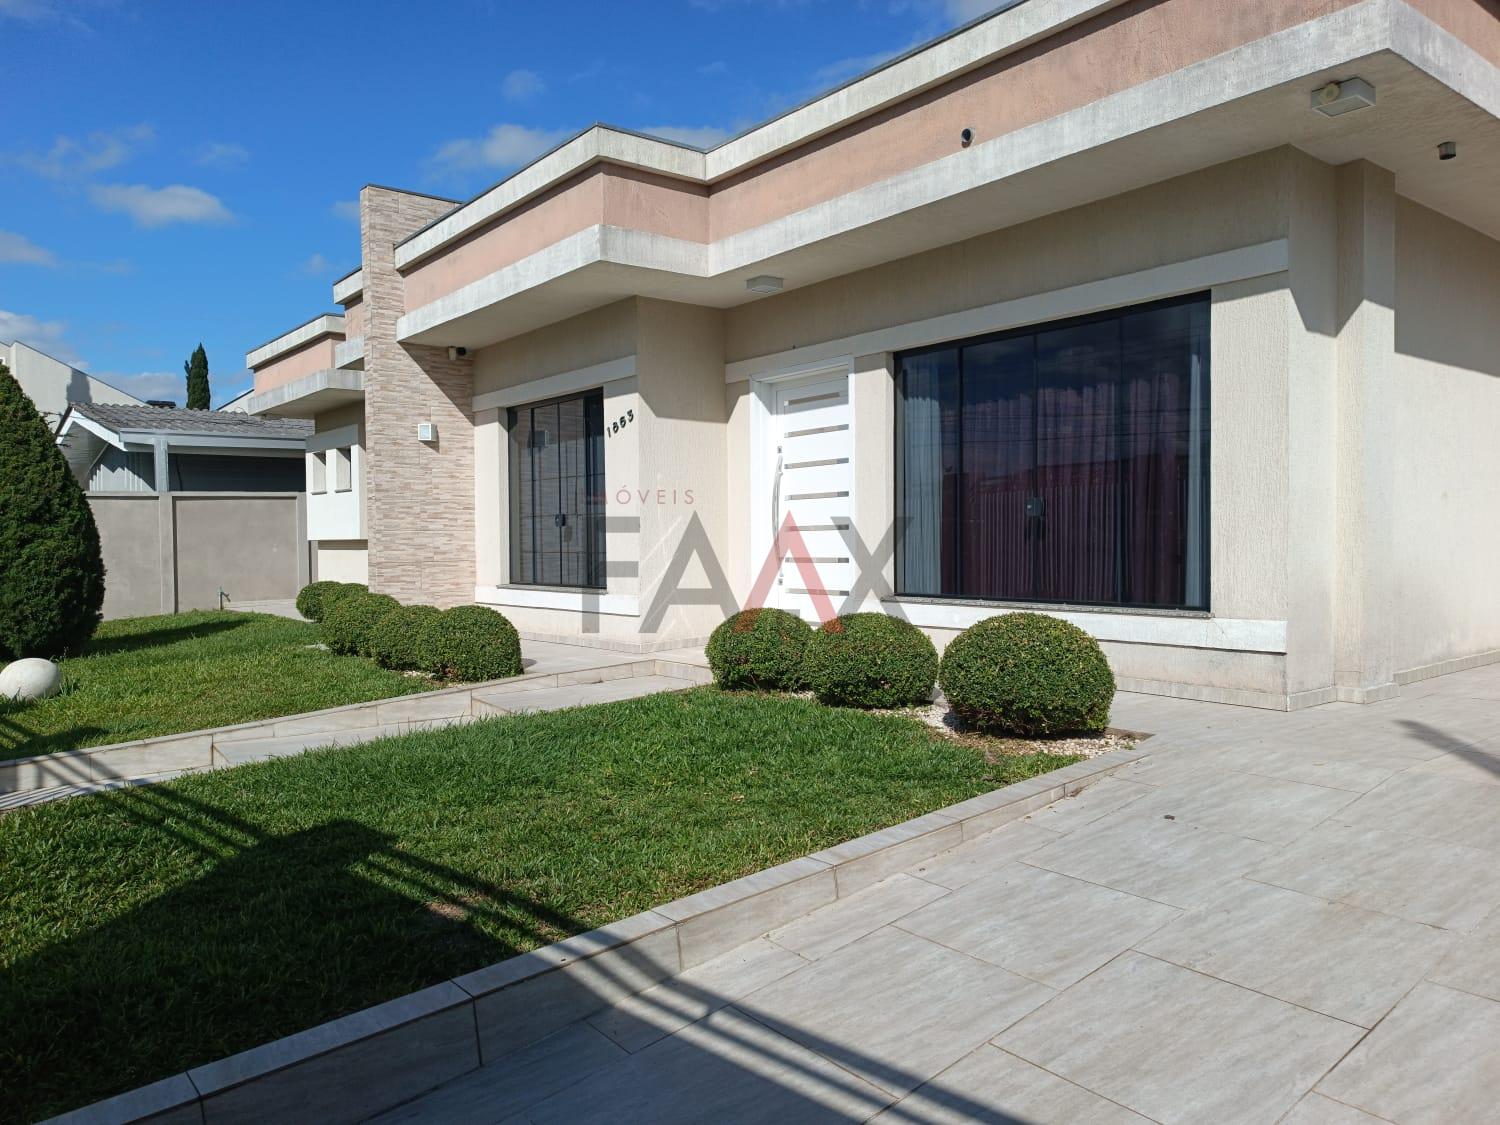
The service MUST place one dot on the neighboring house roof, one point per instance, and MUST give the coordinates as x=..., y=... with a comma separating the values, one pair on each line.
x=87, y=429
x=201, y=423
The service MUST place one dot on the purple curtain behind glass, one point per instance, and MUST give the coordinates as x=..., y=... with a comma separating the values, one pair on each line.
x=1064, y=464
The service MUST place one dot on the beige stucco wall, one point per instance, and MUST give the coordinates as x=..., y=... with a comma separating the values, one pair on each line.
x=343, y=562
x=664, y=472
x=1240, y=203
x=354, y=318
x=1263, y=363
x=1445, y=449
x=351, y=415
x=296, y=364
x=582, y=341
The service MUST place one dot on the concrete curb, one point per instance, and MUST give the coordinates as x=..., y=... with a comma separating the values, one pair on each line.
x=169, y=756
x=361, y=1064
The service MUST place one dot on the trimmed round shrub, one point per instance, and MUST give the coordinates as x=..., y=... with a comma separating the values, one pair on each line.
x=870, y=660
x=399, y=639
x=350, y=620
x=313, y=599
x=759, y=648
x=472, y=643
x=51, y=569
x=1027, y=674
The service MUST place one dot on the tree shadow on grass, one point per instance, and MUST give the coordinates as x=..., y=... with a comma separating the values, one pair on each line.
x=282, y=932
x=277, y=934
x=17, y=740
x=153, y=638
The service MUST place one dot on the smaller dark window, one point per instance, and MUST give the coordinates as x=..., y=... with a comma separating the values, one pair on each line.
x=557, y=492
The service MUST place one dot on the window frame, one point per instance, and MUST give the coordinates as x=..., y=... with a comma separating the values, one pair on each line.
x=513, y=453
x=343, y=469
x=1204, y=297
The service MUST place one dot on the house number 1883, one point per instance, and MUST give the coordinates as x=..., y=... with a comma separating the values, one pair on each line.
x=621, y=422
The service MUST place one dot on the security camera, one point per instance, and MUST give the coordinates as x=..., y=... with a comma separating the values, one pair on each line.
x=457, y=353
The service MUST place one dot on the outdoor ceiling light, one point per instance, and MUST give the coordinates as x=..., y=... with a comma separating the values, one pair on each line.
x=1337, y=98
x=1447, y=150
x=764, y=283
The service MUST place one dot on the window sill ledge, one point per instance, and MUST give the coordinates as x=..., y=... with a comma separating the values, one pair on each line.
x=575, y=599
x=1001, y=606
x=1169, y=628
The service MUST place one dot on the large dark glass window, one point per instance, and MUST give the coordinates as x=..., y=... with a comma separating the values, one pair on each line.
x=1061, y=463
x=557, y=492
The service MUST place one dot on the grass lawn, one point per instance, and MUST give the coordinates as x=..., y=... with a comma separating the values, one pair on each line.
x=153, y=929
x=145, y=676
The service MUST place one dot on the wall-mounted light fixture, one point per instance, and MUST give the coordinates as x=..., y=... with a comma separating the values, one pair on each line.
x=427, y=431
x=457, y=353
x=764, y=283
x=1448, y=150
x=1336, y=98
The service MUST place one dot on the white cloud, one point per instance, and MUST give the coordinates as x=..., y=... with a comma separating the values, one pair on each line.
x=159, y=207
x=504, y=146
x=519, y=85
x=316, y=266
x=28, y=11
x=18, y=249
x=699, y=136
x=962, y=11
x=844, y=69
x=43, y=335
x=346, y=209
x=71, y=157
x=147, y=385
x=224, y=156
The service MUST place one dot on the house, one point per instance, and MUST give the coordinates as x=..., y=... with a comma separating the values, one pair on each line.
x=121, y=448
x=1174, y=318
x=52, y=384
x=194, y=507
x=239, y=403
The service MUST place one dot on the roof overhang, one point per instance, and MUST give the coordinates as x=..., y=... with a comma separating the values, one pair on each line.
x=324, y=324
x=348, y=287
x=310, y=395
x=83, y=439
x=1012, y=26
x=1431, y=87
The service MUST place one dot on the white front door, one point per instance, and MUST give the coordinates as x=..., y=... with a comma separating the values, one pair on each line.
x=812, y=456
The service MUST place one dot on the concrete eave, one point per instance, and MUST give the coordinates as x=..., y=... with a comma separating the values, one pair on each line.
x=310, y=395
x=1016, y=25
x=346, y=288
x=1228, y=106
x=349, y=354
x=324, y=324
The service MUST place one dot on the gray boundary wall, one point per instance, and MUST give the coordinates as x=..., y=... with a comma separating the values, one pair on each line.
x=172, y=551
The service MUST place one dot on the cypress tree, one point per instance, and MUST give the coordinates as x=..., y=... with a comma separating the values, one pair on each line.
x=51, y=571
x=196, y=370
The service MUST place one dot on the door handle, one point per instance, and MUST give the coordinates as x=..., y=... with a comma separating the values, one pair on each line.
x=560, y=520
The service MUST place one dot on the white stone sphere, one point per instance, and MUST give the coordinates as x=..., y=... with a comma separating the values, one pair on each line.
x=31, y=678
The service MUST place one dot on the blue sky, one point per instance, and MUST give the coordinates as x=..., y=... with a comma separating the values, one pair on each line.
x=176, y=171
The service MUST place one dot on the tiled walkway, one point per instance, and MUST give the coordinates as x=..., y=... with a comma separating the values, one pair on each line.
x=1271, y=918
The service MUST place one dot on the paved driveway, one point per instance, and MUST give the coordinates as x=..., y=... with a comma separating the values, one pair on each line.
x=1271, y=918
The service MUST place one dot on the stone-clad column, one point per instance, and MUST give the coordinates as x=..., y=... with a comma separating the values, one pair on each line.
x=419, y=495
x=1364, y=571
